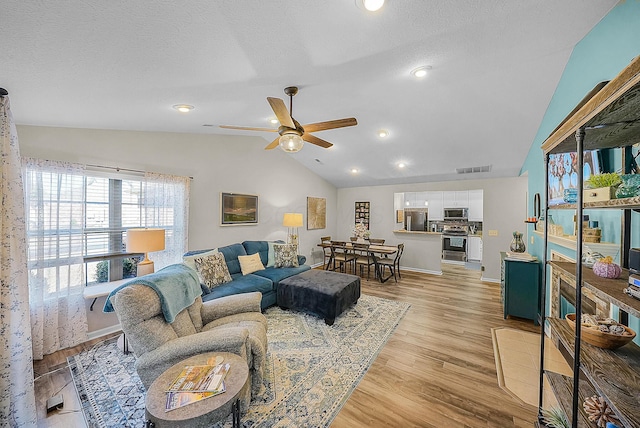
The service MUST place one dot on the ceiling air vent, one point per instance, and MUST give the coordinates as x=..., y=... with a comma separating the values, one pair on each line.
x=486, y=168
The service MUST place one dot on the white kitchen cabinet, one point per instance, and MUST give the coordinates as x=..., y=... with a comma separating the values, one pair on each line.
x=475, y=205
x=474, y=248
x=436, y=206
x=456, y=199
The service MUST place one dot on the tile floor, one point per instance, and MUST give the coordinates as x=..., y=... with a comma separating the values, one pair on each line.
x=518, y=361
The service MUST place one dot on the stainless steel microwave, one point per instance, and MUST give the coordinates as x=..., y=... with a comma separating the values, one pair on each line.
x=456, y=213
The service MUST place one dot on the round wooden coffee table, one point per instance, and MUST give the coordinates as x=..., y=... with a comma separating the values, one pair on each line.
x=204, y=412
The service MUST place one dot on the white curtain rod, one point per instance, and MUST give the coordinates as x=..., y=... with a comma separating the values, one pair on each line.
x=118, y=169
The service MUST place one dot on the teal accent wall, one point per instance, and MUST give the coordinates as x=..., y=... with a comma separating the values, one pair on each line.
x=600, y=55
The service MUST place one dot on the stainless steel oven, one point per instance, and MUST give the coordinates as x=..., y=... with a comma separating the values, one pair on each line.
x=454, y=243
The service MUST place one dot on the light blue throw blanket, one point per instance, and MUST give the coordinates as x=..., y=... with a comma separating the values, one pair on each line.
x=177, y=287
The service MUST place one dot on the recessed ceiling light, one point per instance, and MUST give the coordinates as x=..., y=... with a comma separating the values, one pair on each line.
x=183, y=108
x=370, y=5
x=401, y=165
x=383, y=133
x=421, y=71
x=354, y=170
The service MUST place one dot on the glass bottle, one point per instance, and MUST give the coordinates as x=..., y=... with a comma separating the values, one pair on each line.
x=517, y=244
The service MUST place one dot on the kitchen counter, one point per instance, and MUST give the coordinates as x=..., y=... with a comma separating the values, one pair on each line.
x=417, y=232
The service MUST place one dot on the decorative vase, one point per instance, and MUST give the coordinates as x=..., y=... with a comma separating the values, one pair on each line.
x=517, y=244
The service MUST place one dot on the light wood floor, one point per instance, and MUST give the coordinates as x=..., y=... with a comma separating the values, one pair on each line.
x=437, y=370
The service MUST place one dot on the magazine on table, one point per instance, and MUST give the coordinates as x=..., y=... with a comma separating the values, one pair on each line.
x=204, y=378
x=175, y=400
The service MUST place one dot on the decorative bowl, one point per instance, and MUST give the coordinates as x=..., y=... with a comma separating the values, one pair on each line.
x=595, y=337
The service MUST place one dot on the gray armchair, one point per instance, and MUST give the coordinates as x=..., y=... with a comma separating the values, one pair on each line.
x=229, y=324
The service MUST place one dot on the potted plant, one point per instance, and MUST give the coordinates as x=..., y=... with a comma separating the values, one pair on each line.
x=602, y=187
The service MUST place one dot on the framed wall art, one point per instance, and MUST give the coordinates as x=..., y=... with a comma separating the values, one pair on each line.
x=316, y=213
x=363, y=212
x=238, y=209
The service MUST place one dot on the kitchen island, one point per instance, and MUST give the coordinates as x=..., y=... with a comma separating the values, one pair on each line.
x=422, y=250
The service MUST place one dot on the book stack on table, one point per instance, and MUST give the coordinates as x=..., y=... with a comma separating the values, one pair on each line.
x=195, y=383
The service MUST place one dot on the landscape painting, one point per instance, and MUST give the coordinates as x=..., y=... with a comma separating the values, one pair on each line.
x=238, y=209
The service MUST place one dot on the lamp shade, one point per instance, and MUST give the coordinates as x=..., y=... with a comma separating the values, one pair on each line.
x=145, y=240
x=292, y=220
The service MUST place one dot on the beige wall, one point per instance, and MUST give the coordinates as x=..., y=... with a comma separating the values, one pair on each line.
x=217, y=164
x=505, y=202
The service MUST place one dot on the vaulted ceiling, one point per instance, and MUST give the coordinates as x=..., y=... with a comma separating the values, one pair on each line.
x=122, y=65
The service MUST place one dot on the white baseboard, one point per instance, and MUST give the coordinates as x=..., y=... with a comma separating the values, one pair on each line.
x=412, y=269
x=497, y=281
x=104, y=331
x=315, y=265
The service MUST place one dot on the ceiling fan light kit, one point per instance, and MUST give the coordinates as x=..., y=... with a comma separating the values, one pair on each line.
x=292, y=134
x=291, y=143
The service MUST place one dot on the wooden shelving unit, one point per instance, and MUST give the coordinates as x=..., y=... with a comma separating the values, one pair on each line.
x=609, y=117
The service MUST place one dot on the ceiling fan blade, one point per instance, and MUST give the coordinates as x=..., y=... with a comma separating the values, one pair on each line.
x=331, y=124
x=273, y=144
x=278, y=107
x=315, y=140
x=248, y=128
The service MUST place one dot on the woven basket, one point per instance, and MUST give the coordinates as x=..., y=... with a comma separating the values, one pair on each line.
x=597, y=338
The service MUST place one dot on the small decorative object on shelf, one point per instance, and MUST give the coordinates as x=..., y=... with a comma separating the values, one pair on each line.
x=606, y=268
x=630, y=186
x=517, y=244
x=599, y=411
x=555, y=418
x=570, y=196
x=531, y=220
x=608, y=179
x=603, y=333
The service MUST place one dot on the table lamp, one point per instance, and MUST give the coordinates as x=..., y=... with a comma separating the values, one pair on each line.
x=145, y=241
x=293, y=221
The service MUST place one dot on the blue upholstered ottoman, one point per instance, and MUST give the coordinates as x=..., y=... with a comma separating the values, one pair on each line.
x=323, y=293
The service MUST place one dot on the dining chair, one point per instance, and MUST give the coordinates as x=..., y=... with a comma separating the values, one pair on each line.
x=392, y=264
x=342, y=255
x=325, y=241
x=363, y=258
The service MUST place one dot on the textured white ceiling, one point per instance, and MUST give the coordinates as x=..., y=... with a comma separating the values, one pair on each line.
x=123, y=64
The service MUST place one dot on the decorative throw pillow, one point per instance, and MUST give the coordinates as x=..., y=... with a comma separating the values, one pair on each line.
x=271, y=255
x=250, y=263
x=286, y=255
x=213, y=269
x=190, y=260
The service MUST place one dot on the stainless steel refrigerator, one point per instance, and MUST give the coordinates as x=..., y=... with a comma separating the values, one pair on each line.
x=415, y=219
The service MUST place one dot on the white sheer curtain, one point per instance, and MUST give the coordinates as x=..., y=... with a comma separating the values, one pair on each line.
x=17, y=399
x=55, y=217
x=166, y=205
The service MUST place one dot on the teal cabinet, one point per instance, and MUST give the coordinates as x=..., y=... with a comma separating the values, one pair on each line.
x=520, y=288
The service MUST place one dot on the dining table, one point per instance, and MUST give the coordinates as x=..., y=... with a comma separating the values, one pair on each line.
x=383, y=250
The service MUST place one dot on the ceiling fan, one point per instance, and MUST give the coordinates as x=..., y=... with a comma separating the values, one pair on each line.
x=292, y=134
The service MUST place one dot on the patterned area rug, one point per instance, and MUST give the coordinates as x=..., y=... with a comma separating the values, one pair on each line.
x=312, y=369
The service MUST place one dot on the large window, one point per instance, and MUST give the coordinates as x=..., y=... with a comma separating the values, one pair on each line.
x=77, y=222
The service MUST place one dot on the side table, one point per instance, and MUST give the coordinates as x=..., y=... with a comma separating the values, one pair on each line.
x=204, y=412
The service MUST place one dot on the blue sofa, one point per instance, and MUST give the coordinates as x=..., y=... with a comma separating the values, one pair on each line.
x=264, y=281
